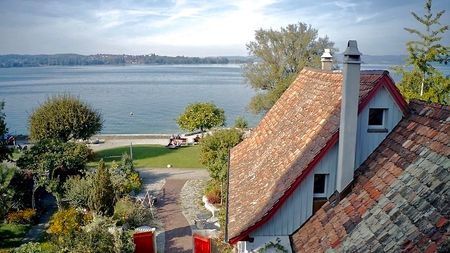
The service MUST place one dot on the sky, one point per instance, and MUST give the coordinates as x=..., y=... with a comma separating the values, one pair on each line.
x=200, y=28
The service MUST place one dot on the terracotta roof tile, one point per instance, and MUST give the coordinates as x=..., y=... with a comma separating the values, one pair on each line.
x=285, y=142
x=412, y=212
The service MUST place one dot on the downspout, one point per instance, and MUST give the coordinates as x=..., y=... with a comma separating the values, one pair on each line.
x=228, y=194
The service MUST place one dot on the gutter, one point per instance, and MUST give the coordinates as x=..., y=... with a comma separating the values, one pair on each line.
x=228, y=188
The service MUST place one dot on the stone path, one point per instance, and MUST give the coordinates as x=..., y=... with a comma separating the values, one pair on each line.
x=36, y=231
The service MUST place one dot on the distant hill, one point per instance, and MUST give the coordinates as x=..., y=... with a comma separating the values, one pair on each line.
x=16, y=60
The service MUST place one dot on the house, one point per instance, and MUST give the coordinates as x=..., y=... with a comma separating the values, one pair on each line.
x=400, y=199
x=306, y=149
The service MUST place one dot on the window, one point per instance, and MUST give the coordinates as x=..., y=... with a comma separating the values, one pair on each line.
x=320, y=186
x=319, y=191
x=377, y=119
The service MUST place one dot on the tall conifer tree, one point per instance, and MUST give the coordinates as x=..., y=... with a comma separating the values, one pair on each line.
x=424, y=81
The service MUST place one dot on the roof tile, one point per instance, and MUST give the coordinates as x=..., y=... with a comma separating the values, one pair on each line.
x=412, y=212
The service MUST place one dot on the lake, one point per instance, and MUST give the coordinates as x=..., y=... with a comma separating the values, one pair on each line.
x=155, y=94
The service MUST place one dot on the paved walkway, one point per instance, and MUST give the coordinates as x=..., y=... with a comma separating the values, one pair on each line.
x=178, y=235
x=167, y=184
x=35, y=233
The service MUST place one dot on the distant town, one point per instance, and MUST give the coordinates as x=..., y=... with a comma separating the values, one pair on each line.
x=16, y=60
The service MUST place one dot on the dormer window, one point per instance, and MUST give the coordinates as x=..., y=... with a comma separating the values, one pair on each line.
x=377, y=120
x=320, y=186
x=319, y=191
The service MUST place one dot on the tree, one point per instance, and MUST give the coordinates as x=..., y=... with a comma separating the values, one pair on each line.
x=201, y=116
x=240, y=122
x=6, y=191
x=420, y=79
x=51, y=162
x=103, y=198
x=64, y=117
x=5, y=152
x=281, y=55
x=214, y=151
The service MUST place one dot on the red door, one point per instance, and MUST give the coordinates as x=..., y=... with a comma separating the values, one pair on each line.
x=202, y=244
x=144, y=242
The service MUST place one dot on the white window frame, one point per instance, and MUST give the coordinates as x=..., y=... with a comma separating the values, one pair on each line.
x=378, y=127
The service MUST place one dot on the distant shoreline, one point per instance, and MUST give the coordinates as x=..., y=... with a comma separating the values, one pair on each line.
x=45, y=60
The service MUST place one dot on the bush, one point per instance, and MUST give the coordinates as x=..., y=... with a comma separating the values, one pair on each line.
x=131, y=214
x=240, y=122
x=26, y=216
x=78, y=191
x=66, y=222
x=213, y=192
x=31, y=247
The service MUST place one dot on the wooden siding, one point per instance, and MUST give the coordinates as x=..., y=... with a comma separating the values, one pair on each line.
x=298, y=208
x=367, y=142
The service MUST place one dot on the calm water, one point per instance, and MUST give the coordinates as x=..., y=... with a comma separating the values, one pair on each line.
x=155, y=94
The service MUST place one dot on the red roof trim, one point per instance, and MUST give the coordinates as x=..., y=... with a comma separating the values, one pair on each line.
x=291, y=189
x=388, y=83
x=385, y=81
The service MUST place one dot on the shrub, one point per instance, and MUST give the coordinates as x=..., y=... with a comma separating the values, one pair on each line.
x=240, y=122
x=78, y=190
x=26, y=216
x=66, y=222
x=31, y=247
x=131, y=214
x=213, y=192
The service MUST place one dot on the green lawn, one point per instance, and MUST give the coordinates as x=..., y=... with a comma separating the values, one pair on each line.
x=155, y=156
x=11, y=235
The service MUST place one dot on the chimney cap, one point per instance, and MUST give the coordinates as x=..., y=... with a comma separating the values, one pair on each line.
x=326, y=54
x=352, y=49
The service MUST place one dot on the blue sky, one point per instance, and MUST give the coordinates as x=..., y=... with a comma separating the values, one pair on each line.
x=199, y=28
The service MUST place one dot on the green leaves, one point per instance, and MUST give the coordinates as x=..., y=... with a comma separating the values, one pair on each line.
x=281, y=55
x=201, y=116
x=424, y=81
x=215, y=151
x=64, y=117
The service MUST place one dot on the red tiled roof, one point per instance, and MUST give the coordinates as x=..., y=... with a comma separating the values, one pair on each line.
x=266, y=167
x=400, y=200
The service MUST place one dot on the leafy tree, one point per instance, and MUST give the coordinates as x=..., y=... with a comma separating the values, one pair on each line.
x=201, y=116
x=214, y=151
x=64, y=117
x=6, y=191
x=51, y=162
x=424, y=81
x=5, y=152
x=103, y=198
x=281, y=55
x=240, y=122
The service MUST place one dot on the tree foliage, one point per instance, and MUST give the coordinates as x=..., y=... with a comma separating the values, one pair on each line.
x=103, y=198
x=201, y=116
x=52, y=161
x=6, y=191
x=64, y=117
x=281, y=54
x=5, y=152
x=420, y=79
x=240, y=122
x=214, y=151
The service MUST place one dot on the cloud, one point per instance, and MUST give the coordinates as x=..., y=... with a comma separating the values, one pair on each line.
x=196, y=27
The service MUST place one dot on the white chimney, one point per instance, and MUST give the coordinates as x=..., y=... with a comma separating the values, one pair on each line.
x=327, y=60
x=349, y=116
